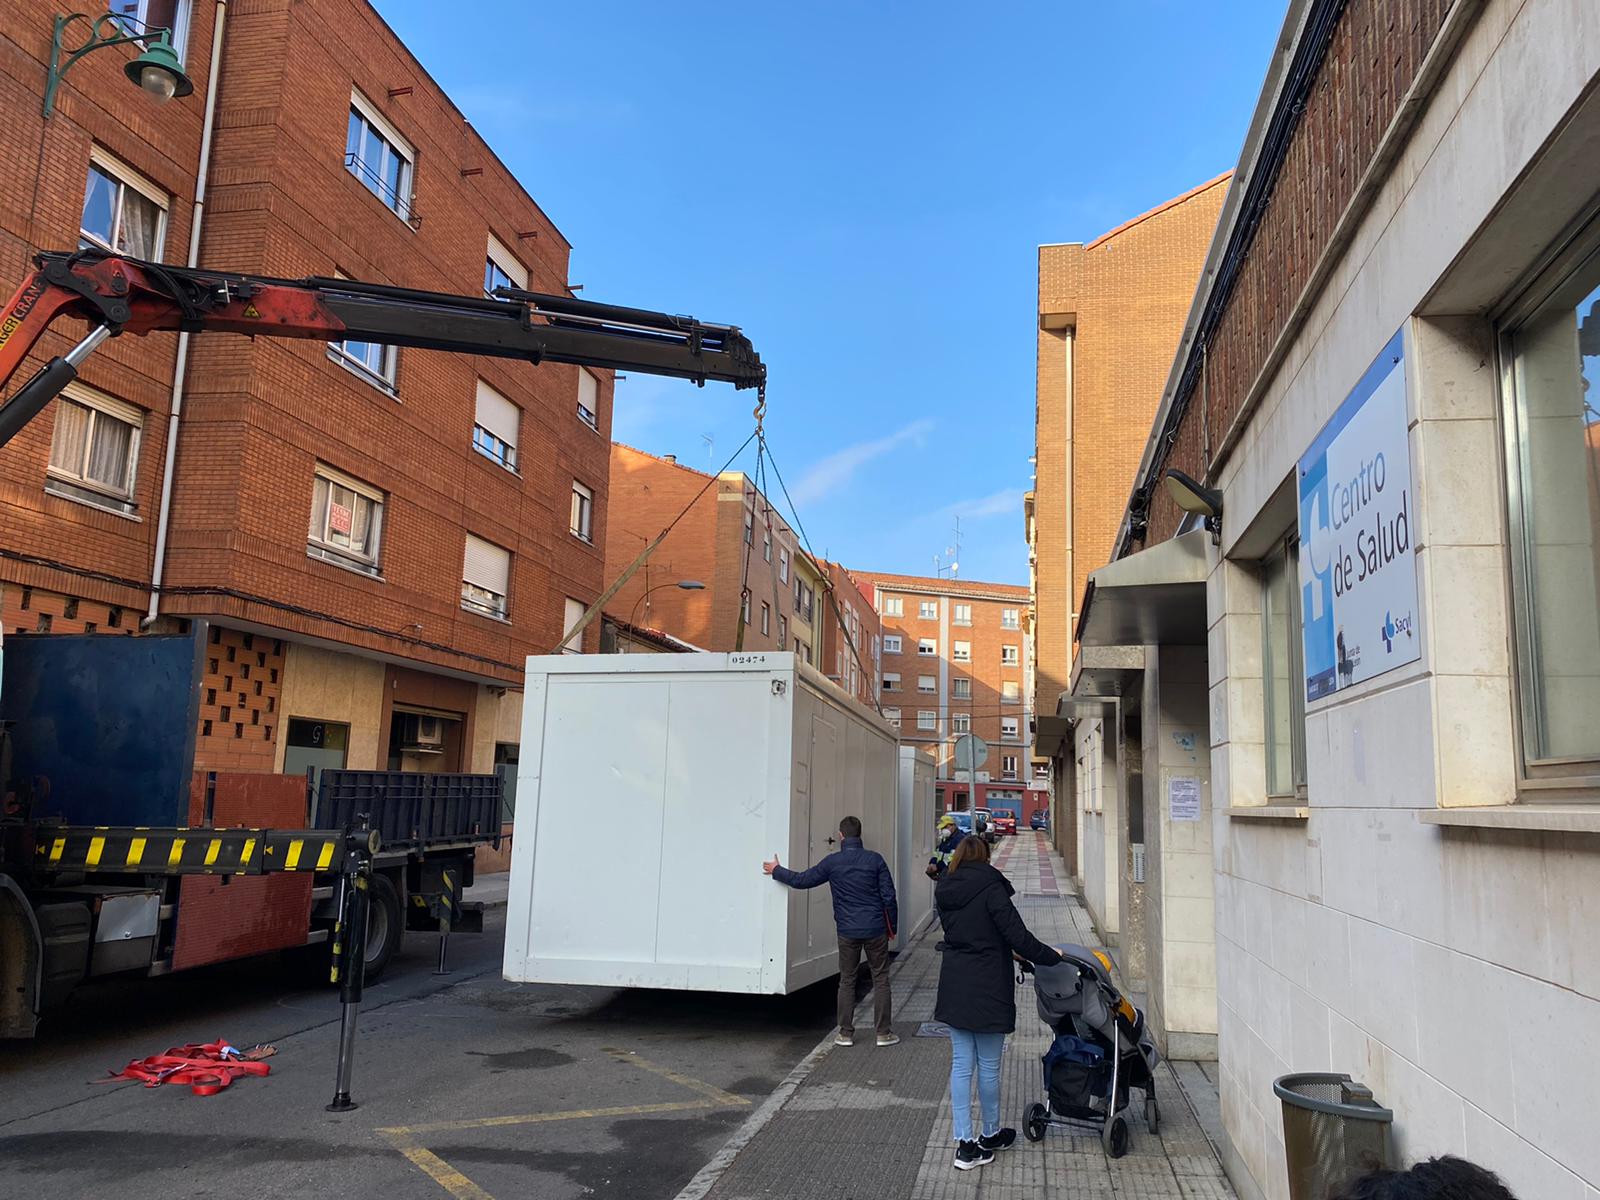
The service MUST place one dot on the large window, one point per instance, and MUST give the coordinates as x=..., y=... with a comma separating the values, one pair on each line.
x=1010, y=656
x=962, y=614
x=588, y=398
x=1284, y=695
x=783, y=565
x=961, y=689
x=582, y=524
x=1011, y=692
x=1009, y=618
x=379, y=157
x=928, y=610
x=926, y=684
x=892, y=715
x=94, y=449
x=122, y=211
x=926, y=721
x=891, y=681
x=891, y=643
x=372, y=360
x=485, y=577
x=346, y=521
x=960, y=722
x=961, y=652
x=501, y=269
x=574, y=610
x=894, y=606
x=803, y=599
x=928, y=647
x=1008, y=766
x=1551, y=351
x=494, y=432
x=1008, y=728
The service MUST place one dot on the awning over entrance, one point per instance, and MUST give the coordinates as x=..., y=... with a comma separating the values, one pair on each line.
x=1049, y=732
x=1154, y=597
x=1100, y=676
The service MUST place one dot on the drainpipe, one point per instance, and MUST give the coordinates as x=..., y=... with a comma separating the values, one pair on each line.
x=180, y=371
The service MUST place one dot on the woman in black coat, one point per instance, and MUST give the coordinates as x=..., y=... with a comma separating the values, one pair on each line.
x=982, y=930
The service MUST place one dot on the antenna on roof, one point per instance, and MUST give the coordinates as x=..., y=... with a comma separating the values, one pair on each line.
x=710, y=442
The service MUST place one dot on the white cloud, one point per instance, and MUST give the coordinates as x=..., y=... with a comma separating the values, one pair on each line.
x=834, y=472
x=1005, y=503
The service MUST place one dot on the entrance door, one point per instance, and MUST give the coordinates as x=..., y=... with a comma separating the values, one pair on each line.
x=824, y=831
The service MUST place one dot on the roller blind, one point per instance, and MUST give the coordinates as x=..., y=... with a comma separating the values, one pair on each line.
x=498, y=415
x=487, y=565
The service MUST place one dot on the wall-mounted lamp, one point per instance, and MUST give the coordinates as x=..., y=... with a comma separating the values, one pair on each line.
x=157, y=70
x=1194, y=497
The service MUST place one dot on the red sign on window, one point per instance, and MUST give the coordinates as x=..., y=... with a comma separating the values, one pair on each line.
x=338, y=518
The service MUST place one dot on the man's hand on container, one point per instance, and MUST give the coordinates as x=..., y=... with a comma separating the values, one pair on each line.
x=770, y=867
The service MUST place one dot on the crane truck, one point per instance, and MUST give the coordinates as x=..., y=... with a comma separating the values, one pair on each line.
x=113, y=850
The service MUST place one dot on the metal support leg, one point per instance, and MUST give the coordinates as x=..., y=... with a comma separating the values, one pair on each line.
x=350, y=966
x=444, y=942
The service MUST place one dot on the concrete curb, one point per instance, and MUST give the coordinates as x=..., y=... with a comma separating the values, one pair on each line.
x=706, y=1177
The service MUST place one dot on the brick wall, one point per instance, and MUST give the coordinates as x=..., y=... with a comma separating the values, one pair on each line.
x=986, y=670
x=836, y=658
x=707, y=545
x=1377, y=49
x=1113, y=311
x=260, y=415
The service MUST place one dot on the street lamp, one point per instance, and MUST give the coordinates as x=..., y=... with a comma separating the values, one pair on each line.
x=687, y=585
x=157, y=70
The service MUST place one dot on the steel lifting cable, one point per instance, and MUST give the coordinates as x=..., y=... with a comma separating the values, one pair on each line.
x=762, y=449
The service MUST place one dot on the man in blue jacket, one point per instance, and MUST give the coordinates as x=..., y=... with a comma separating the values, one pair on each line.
x=865, y=912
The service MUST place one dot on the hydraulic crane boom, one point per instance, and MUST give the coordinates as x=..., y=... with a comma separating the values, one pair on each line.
x=118, y=295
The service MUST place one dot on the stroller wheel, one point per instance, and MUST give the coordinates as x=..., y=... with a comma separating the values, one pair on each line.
x=1036, y=1122
x=1114, y=1137
x=1152, y=1114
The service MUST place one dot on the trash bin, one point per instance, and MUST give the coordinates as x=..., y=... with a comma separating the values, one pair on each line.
x=1332, y=1129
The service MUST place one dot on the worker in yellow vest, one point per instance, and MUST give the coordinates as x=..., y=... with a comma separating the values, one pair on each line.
x=949, y=836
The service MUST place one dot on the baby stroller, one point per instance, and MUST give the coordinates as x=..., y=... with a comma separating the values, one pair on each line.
x=1101, y=1050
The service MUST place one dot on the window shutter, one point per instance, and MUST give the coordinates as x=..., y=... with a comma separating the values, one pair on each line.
x=498, y=415
x=487, y=566
x=588, y=391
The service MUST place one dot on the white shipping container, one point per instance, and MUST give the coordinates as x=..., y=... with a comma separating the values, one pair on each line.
x=917, y=804
x=650, y=790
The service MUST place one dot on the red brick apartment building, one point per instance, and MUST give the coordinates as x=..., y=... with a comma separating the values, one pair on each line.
x=730, y=541
x=1109, y=316
x=852, y=662
x=952, y=663
x=360, y=525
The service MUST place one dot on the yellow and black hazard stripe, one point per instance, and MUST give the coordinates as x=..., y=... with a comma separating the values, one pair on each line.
x=145, y=851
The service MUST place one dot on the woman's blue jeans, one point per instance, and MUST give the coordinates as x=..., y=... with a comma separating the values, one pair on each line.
x=970, y=1050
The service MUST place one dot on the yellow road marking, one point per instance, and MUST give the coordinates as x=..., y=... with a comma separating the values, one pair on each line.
x=325, y=857
x=135, y=852
x=293, y=860
x=574, y=1114
x=56, y=847
x=462, y=1188
x=441, y=1172
x=175, y=856
x=710, y=1091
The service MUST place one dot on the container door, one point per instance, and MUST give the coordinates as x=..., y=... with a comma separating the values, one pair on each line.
x=825, y=814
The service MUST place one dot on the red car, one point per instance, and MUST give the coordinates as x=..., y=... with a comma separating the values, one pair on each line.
x=1004, y=822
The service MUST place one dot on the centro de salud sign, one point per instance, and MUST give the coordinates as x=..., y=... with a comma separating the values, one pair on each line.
x=1358, y=527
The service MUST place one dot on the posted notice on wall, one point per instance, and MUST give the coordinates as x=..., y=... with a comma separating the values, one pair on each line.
x=1358, y=514
x=1183, y=798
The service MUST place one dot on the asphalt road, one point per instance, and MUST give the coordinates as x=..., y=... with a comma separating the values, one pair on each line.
x=469, y=1086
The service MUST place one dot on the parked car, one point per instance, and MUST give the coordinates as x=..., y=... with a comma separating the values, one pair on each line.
x=1040, y=820
x=1004, y=823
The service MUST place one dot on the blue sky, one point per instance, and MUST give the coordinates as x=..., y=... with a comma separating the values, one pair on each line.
x=861, y=186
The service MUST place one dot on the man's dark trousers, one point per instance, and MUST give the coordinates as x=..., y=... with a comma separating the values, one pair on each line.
x=877, y=951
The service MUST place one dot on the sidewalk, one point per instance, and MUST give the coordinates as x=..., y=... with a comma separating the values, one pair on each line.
x=864, y=1122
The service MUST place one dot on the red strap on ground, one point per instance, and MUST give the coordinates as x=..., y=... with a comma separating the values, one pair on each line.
x=205, y=1068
